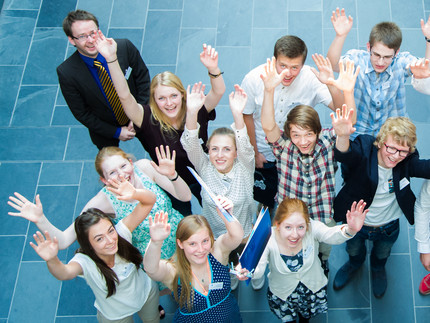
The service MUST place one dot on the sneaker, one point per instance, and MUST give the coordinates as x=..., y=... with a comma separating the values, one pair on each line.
x=379, y=282
x=343, y=276
x=234, y=282
x=258, y=284
x=425, y=285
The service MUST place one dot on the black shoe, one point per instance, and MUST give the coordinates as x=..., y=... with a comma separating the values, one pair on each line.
x=379, y=282
x=324, y=265
x=343, y=276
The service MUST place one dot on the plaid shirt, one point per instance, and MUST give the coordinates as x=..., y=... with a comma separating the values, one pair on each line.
x=379, y=96
x=310, y=178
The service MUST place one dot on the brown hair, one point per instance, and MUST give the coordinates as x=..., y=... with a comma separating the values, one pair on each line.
x=167, y=79
x=77, y=15
x=291, y=47
x=108, y=152
x=304, y=117
x=401, y=129
x=186, y=228
x=289, y=206
x=387, y=33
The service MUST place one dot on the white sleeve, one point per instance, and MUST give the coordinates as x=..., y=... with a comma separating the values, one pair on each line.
x=245, y=151
x=421, y=85
x=191, y=143
x=422, y=219
x=249, y=86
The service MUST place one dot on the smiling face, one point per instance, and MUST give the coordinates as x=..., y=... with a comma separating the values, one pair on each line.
x=116, y=165
x=292, y=230
x=86, y=47
x=103, y=239
x=381, y=56
x=304, y=139
x=197, y=247
x=387, y=160
x=292, y=65
x=222, y=153
x=169, y=101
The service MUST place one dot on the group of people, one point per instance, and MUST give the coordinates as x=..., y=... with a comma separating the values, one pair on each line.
x=139, y=228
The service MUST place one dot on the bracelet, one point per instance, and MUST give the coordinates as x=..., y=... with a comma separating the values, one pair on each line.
x=214, y=76
x=176, y=177
x=347, y=233
x=112, y=61
x=427, y=39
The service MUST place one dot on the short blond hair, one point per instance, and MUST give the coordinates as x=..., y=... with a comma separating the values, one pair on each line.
x=401, y=129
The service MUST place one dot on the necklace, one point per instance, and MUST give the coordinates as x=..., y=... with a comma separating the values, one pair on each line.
x=205, y=291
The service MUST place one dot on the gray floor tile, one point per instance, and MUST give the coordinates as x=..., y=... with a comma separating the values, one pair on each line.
x=21, y=4
x=10, y=77
x=275, y=9
x=53, y=12
x=234, y=23
x=166, y=4
x=129, y=13
x=199, y=14
x=64, y=117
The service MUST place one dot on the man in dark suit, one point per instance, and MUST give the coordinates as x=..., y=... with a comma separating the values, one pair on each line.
x=82, y=89
x=377, y=170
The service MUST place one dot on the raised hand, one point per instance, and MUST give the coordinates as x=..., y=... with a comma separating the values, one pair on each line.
x=226, y=203
x=347, y=77
x=27, y=210
x=425, y=27
x=166, y=162
x=106, y=46
x=237, y=100
x=195, y=97
x=325, y=70
x=209, y=57
x=342, y=121
x=420, y=68
x=355, y=216
x=47, y=249
x=122, y=188
x=341, y=23
x=159, y=227
x=271, y=78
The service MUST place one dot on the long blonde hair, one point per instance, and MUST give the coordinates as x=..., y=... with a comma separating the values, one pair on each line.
x=167, y=79
x=186, y=228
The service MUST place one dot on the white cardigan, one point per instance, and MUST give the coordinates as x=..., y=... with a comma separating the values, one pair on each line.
x=422, y=218
x=282, y=281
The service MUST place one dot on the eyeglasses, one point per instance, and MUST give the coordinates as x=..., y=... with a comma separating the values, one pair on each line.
x=84, y=37
x=386, y=59
x=392, y=151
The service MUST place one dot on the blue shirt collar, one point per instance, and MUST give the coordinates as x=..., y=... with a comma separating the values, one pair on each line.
x=90, y=61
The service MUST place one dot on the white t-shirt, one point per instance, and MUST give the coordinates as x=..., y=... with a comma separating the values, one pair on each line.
x=384, y=207
x=132, y=290
x=305, y=89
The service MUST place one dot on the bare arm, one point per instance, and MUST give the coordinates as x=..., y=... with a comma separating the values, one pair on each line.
x=250, y=128
x=342, y=124
x=425, y=27
x=107, y=47
x=157, y=269
x=209, y=58
x=47, y=249
x=342, y=26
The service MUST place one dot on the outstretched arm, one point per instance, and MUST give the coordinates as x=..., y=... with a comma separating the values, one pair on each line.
x=125, y=191
x=425, y=27
x=157, y=269
x=342, y=26
x=107, y=47
x=230, y=240
x=237, y=100
x=342, y=125
x=209, y=58
x=47, y=249
x=165, y=175
x=271, y=80
x=195, y=100
x=34, y=213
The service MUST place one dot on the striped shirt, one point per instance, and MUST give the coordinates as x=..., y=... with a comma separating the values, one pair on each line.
x=310, y=178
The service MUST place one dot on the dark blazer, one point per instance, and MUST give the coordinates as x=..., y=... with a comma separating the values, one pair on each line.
x=84, y=97
x=360, y=172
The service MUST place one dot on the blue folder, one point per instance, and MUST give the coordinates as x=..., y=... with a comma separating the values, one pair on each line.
x=257, y=242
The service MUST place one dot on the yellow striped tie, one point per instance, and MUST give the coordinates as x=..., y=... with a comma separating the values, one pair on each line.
x=111, y=94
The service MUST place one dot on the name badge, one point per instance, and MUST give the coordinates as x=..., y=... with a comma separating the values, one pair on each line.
x=403, y=183
x=218, y=285
x=128, y=73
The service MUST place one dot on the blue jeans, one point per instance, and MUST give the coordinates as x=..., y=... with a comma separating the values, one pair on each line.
x=383, y=238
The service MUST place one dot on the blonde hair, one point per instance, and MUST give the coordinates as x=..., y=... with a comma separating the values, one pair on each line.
x=167, y=79
x=106, y=152
x=186, y=228
x=401, y=129
x=289, y=206
x=222, y=132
